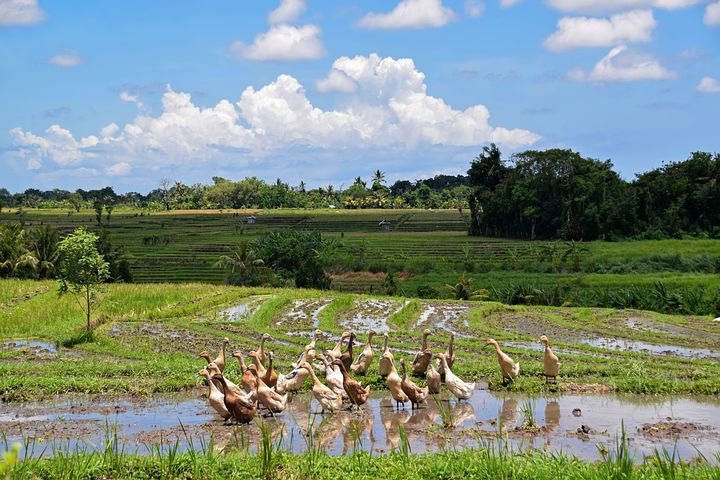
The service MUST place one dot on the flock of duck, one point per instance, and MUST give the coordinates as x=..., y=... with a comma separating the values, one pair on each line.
x=261, y=387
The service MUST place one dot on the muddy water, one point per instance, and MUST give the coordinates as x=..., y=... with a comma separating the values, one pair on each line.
x=650, y=422
x=448, y=317
x=371, y=314
x=650, y=348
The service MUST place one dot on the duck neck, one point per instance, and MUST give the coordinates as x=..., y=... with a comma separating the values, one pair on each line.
x=241, y=359
x=350, y=345
x=311, y=371
x=424, y=342
x=450, y=345
x=385, y=344
x=404, y=375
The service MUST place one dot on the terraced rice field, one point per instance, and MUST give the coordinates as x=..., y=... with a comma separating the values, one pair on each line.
x=138, y=373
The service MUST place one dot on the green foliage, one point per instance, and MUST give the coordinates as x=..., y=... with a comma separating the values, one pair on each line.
x=390, y=284
x=16, y=257
x=298, y=255
x=246, y=269
x=83, y=268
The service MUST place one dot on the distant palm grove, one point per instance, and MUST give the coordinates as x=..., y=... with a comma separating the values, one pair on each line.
x=550, y=194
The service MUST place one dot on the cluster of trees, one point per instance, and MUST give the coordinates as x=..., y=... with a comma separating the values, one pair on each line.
x=36, y=253
x=560, y=194
x=283, y=258
x=441, y=191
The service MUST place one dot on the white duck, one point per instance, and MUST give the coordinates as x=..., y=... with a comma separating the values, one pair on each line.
x=292, y=381
x=328, y=399
x=508, y=367
x=363, y=362
x=386, y=359
x=269, y=398
x=449, y=355
x=333, y=377
x=461, y=390
x=216, y=398
x=551, y=363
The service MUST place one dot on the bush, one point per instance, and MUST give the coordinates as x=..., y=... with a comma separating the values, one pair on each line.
x=426, y=291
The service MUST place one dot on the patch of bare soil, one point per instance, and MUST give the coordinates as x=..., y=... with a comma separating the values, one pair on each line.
x=669, y=428
x=586, y=387
x=162, y=338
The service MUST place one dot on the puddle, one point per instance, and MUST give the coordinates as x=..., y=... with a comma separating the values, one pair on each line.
x=538, y=347
x=649, y=348
x=449, y=317
x=34, y=346
x=240, y=312
x=650, y=422
x=162, y=337
x=304, y=313
x=372, y=314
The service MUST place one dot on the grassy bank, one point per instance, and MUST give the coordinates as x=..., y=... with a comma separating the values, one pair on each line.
x=147, y=338
x=270, y=463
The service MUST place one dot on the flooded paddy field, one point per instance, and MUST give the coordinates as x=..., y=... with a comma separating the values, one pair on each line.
x=578, y=425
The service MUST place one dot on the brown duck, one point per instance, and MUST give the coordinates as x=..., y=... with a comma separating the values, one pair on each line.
x=241, y=410
x=416, y=394
x=271, y=377
x=248, y=381
x=220, y=360
x=423, y=357
x=347, y=356
x=357, y=394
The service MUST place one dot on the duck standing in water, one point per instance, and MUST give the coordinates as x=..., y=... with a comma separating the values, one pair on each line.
x=242, y=409
x=416, y=394
x=356, y=393
x=461, y=390
x=326, y=397
x=394, y=383
x=216, y=398
x=335, y=353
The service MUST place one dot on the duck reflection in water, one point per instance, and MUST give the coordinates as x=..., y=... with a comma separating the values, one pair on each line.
x=552, y=420
x=509, y=412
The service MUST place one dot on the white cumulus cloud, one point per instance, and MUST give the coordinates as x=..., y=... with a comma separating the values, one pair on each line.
x=387, y=109
x=20, y=13
x=66, y=59
x=708, y=85
x=712, y=14
x=284, y=43
x=411, y=14
x=624, y=65
x=578, y=32
x=287, y=11
x=595, y=6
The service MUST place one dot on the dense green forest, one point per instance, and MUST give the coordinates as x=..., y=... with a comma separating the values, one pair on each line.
x=550, y=194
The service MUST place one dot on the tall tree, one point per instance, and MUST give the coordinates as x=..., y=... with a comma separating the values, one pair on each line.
x=83, y=269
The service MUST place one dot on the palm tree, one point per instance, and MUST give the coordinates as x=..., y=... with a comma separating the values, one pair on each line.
x=16, y=259
x=378, y=177
x=301, y=187
x=45, y=248
x=574, y=251
x=243, y=264
x=462, y=290
x=359, y=181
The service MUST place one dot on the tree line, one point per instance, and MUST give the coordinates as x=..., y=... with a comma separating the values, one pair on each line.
x=559, y=194
x=548, y=194
x=441, y=191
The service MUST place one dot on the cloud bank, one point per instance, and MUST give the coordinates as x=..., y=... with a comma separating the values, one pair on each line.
x=383, y=105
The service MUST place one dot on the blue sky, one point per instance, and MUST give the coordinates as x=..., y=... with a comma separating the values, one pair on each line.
x=127, y=93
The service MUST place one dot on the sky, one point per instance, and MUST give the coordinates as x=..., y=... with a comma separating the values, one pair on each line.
x=126, y=93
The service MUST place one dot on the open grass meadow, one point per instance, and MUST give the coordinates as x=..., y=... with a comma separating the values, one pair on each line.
x=426, y=249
